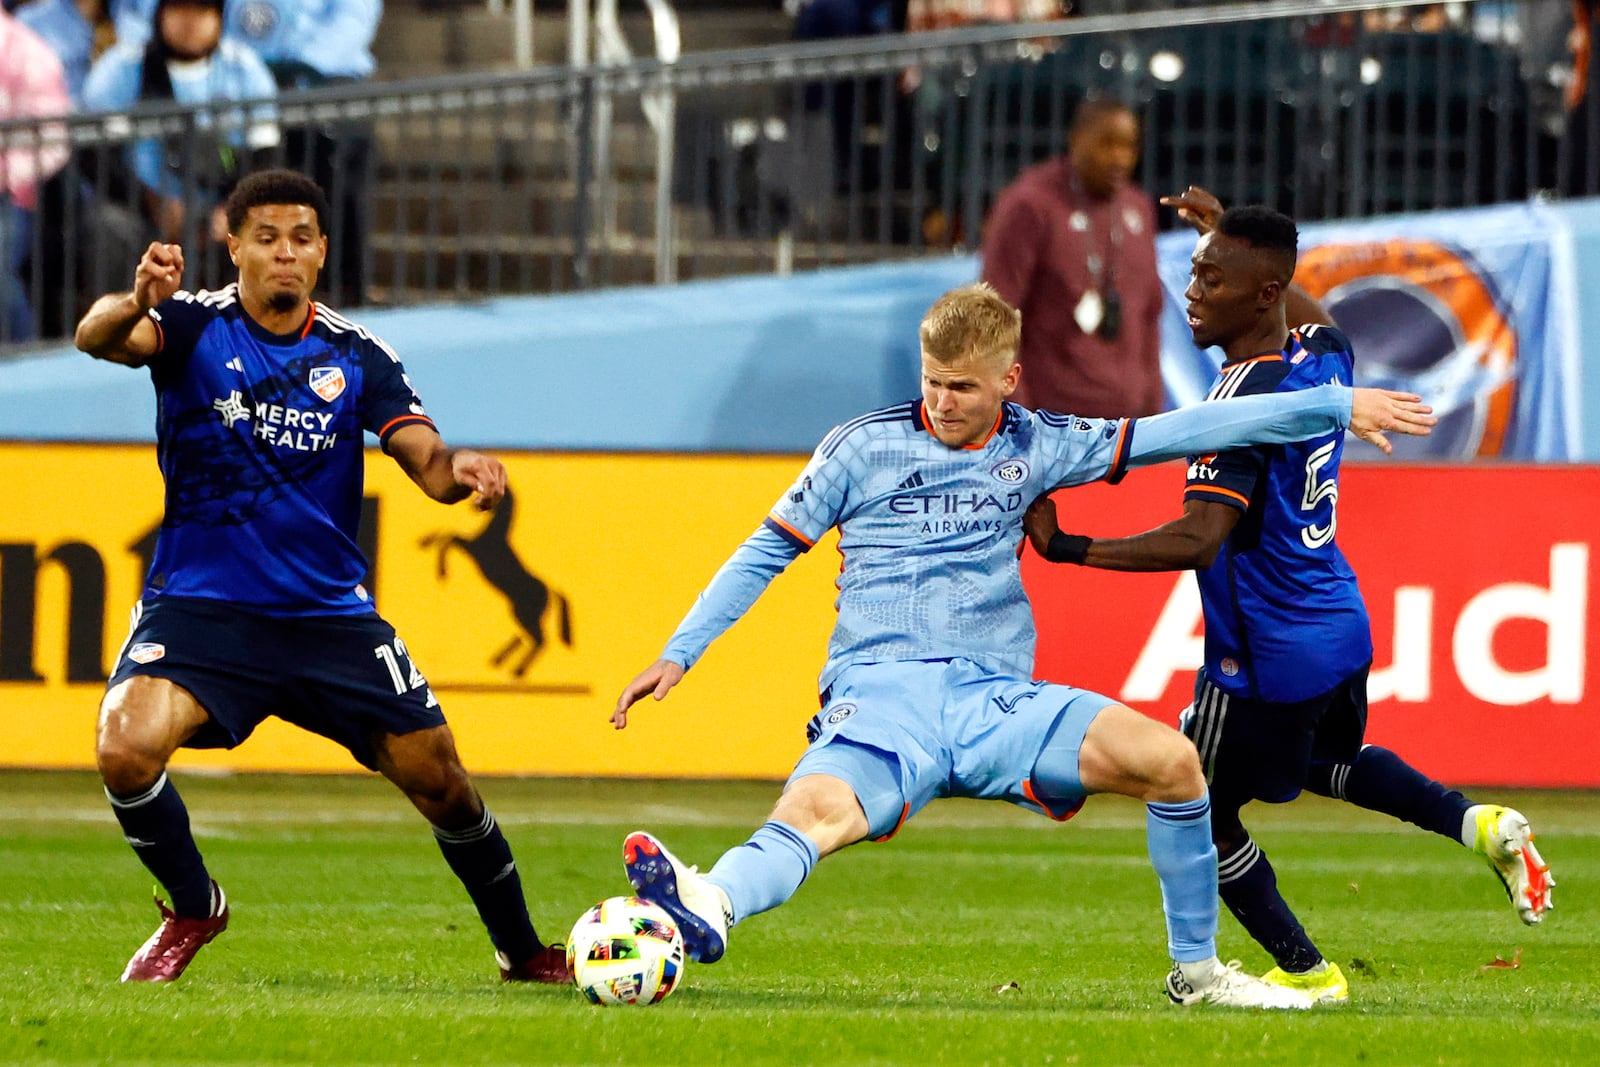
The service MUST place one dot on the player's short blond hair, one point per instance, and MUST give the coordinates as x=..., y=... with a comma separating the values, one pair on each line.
x=974, y=322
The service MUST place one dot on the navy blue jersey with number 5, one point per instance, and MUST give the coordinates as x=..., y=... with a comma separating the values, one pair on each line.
x=259, y=437
x=1284, y=616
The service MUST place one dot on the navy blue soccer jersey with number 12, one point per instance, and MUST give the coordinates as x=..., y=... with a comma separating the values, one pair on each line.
x=1283, y=613
x=259, y=437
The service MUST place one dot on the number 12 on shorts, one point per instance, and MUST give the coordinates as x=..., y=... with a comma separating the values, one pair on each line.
x=408, y=677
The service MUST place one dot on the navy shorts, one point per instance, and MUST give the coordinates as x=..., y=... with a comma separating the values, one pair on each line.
x=1259, y=750
x=344, y=677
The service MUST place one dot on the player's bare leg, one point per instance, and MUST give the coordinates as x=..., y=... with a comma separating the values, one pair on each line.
x=142, y=722
x=425, y=767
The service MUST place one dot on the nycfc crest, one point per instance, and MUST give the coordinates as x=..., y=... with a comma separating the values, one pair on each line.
x=327, y=382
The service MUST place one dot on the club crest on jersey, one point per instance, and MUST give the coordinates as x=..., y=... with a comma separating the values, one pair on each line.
x=839, y=714
x=1229, y=666
x=146, y=652
x=1011, y=471
x=327, y=382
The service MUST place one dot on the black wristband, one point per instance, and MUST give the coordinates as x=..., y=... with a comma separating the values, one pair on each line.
x=1067, y=548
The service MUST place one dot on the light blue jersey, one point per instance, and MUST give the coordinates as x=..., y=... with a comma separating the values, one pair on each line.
x=931, y=535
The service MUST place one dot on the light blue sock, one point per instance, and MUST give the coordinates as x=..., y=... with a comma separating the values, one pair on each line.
x=766, y=870
x=1179, y=838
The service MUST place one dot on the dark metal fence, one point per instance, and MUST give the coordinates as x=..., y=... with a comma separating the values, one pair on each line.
x=798, y=156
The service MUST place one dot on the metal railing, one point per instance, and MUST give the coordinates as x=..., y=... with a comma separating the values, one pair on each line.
x=833, y=152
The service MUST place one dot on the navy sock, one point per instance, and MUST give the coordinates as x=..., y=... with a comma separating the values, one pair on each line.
x=1249, y=887
x=155, y=822
x=481, y=858
x=1178, y=836
x=1379, y=780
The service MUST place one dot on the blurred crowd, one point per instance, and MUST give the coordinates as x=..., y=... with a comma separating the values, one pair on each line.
x=63, y=56
x=113, y=56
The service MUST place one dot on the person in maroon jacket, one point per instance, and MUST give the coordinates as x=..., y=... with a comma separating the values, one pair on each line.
x=1071, y=244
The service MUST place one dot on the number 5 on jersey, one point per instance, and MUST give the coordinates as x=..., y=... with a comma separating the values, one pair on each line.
x=1317, y=490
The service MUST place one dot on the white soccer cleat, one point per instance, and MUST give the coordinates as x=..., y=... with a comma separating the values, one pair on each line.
x=1506, y=840
x=1229, y=986
x=699, y=907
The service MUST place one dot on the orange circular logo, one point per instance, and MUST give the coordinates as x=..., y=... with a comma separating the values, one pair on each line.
x=1411, y=309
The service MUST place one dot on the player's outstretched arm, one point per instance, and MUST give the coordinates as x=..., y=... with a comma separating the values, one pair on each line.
x=1376, y=411
x=656, y=679
x=1189, y=542
x=1275, y=418
x=446, y=474
x=117, y=328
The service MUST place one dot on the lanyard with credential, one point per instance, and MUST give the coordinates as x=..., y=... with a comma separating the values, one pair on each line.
x=1099, y=310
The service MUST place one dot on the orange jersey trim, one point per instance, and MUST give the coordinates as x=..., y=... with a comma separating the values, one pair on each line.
x=797, y=534
x=397, y=420
x=905, y=813
x=1265, y=357
x=928, y=426
x=1217, y=489
x=1027, y=791
x=1119, y=462
x=311, y=316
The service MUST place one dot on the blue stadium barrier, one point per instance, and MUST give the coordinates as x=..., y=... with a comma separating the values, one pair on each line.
x=766, y=364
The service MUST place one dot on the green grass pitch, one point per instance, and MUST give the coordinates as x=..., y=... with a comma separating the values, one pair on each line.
x=980, y=935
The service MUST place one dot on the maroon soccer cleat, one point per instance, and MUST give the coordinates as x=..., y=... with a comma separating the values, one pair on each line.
x=175, y=942
x=548, y=965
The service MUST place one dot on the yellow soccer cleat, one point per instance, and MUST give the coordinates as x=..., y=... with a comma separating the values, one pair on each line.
x=1505, y=839
x=1325, y=985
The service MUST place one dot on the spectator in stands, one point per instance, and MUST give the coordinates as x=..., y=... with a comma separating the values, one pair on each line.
x=1071, y=244
x=306, y=43
x=309, y=44
x=68, y=27
x=32, y=85
x=186, y=60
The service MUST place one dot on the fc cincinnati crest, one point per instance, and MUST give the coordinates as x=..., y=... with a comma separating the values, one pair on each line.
x=327, y=382
x=146, y=652
x=1011, y=471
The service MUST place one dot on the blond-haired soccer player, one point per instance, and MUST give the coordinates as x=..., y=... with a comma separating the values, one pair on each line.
x=928, y=689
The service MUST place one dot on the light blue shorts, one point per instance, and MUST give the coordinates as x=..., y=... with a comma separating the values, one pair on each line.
x=904, y=733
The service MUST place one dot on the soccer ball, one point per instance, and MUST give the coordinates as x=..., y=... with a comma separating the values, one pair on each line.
x=625, y=951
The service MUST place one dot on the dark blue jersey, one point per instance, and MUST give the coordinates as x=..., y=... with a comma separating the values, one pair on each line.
x=259, y=437
x=1284, y=616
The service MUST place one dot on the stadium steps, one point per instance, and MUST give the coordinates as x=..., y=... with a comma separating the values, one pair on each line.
x=478, y=204
x=418, y=40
